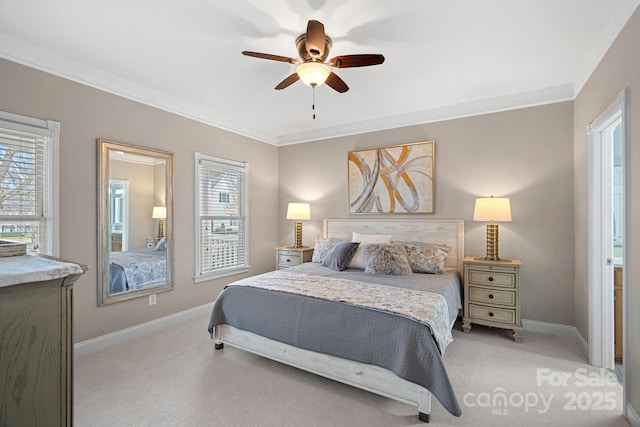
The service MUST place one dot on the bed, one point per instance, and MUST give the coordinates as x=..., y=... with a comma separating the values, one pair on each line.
x=294, y=316
x=136, y=269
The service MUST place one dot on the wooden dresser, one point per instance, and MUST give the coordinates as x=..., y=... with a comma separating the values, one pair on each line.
x=492, y=295
x=36, y=341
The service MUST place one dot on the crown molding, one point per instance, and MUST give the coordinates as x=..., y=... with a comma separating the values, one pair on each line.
x=31, y=56
x=533, y=98
x=42, y=60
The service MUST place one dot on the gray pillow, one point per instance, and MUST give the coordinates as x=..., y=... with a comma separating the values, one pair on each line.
x=162, y=245
x=386, y=258
x=426, y=258
x=323, y=247
x=340, y=256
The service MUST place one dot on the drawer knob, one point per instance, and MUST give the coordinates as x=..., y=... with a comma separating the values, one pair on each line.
x=491, y=278
x=491, y=314
x=490, y=296
x=288, y=260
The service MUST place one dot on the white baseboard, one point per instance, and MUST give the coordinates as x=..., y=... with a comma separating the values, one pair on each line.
x=632, y=416
x=549, y=328
x=558, y=330
x=98, y=343
x=583, y=345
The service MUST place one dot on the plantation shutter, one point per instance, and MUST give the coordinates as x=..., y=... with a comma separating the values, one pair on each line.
x=222, y=231
x=25, y=186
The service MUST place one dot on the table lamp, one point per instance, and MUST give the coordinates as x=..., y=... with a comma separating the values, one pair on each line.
x=160, y=213
x=298, y=211
x=492, y=209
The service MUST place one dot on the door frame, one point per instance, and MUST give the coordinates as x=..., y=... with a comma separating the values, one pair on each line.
x=600, y=228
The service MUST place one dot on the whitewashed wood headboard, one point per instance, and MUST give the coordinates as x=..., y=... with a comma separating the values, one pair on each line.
x=443, y=232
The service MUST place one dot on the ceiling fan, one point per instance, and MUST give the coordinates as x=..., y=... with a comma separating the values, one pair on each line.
x=313, y=48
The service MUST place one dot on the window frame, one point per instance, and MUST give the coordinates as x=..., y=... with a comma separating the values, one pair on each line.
x=51, y=130
x=243, y=199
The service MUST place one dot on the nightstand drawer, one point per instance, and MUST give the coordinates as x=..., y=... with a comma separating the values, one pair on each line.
x=492, y=278
x=492, y=296
x=288, y=260
x=493, y=314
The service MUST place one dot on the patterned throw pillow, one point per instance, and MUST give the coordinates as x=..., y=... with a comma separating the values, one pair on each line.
x=426, y=258
x=339, y=257
x=323, y=247
x=383, y=258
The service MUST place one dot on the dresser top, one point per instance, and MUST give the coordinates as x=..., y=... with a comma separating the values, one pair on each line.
x=34, y=268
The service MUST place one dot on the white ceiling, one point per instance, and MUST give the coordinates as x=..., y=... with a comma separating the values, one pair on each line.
x=444, y=58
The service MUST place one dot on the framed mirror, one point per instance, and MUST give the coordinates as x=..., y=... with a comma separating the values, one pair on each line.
x=135, y=221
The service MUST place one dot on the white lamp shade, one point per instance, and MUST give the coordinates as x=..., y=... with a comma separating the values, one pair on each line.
x=299, y=211
x=159, y=212
x=313, y=73
x=492, y=209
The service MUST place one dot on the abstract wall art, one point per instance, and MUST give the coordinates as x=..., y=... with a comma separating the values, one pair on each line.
x=395, y=179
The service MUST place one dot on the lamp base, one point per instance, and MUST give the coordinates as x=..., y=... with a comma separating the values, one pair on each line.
x=492, y=242
x=298, y=235
x=160, y=228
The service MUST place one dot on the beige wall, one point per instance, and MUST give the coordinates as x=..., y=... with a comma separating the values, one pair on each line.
x=523, y=154
x=86, y=114
x=619, y=69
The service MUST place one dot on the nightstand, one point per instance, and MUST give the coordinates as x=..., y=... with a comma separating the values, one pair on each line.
x=287, y=256
x=152, y=242
x=492, y=294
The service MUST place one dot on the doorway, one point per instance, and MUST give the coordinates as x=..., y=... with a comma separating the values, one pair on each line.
x=608, y=229
x=119, y=209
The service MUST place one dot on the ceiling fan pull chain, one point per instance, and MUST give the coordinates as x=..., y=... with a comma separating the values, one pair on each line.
x=313, y=105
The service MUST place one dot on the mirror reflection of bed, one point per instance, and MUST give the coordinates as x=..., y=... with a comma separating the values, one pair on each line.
x=135, y=221
x=138, y=268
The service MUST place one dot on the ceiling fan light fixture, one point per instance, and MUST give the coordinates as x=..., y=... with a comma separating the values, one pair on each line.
x=313, y=73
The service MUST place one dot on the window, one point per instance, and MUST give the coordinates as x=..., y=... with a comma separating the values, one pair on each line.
x=221, y=217
x=29, y=182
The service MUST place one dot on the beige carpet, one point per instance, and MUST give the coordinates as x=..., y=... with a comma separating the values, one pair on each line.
x=176, y=378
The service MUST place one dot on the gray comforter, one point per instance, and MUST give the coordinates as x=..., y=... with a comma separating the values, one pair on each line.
x=401, y=345
x=136, y=269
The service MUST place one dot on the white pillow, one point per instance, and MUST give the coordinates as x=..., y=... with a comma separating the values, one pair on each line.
x=358, y=259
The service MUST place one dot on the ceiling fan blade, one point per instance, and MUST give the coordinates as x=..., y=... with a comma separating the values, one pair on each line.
x=271, y=57
x=288, y=81
x=336, y=83
x=315, y=38
x=349, y=61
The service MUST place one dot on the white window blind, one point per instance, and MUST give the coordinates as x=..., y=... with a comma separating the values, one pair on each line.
x=28, y=178
x=221, y=217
